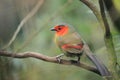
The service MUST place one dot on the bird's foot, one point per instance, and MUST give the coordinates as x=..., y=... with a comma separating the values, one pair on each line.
x=58, y=57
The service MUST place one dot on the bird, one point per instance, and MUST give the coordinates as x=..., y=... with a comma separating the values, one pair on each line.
x=72, y=45
x=68, y=41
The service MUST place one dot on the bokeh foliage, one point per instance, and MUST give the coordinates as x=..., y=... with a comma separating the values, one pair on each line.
x=52, y=12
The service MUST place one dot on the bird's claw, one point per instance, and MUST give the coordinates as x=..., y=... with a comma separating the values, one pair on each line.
x=58, y=57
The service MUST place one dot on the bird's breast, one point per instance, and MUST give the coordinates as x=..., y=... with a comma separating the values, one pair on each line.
x=70, y=44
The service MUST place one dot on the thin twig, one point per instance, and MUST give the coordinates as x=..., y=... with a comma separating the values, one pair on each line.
x=31, y=14
x=49, y=59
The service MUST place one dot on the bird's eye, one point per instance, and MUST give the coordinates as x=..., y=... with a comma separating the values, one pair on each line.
x=59, y=28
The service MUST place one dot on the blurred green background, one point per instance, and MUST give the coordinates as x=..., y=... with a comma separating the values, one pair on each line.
x=36, y=36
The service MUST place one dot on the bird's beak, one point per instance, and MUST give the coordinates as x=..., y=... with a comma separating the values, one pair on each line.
x=52, y=29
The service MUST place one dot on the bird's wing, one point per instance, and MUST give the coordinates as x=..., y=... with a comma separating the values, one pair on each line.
x=72, y=48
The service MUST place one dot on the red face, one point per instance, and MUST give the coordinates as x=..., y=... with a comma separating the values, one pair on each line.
x=60, y=30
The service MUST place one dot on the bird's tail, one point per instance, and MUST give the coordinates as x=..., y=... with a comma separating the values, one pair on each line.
x=100, y=66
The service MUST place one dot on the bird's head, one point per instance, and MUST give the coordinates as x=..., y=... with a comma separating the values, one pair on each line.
x=60, y=30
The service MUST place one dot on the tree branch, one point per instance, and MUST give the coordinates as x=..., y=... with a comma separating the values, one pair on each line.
x=106, y=25
x=49, y=59
x=109, y=43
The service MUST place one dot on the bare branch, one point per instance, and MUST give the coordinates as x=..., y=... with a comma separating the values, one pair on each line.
x=32, y=13
x=49, y=59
